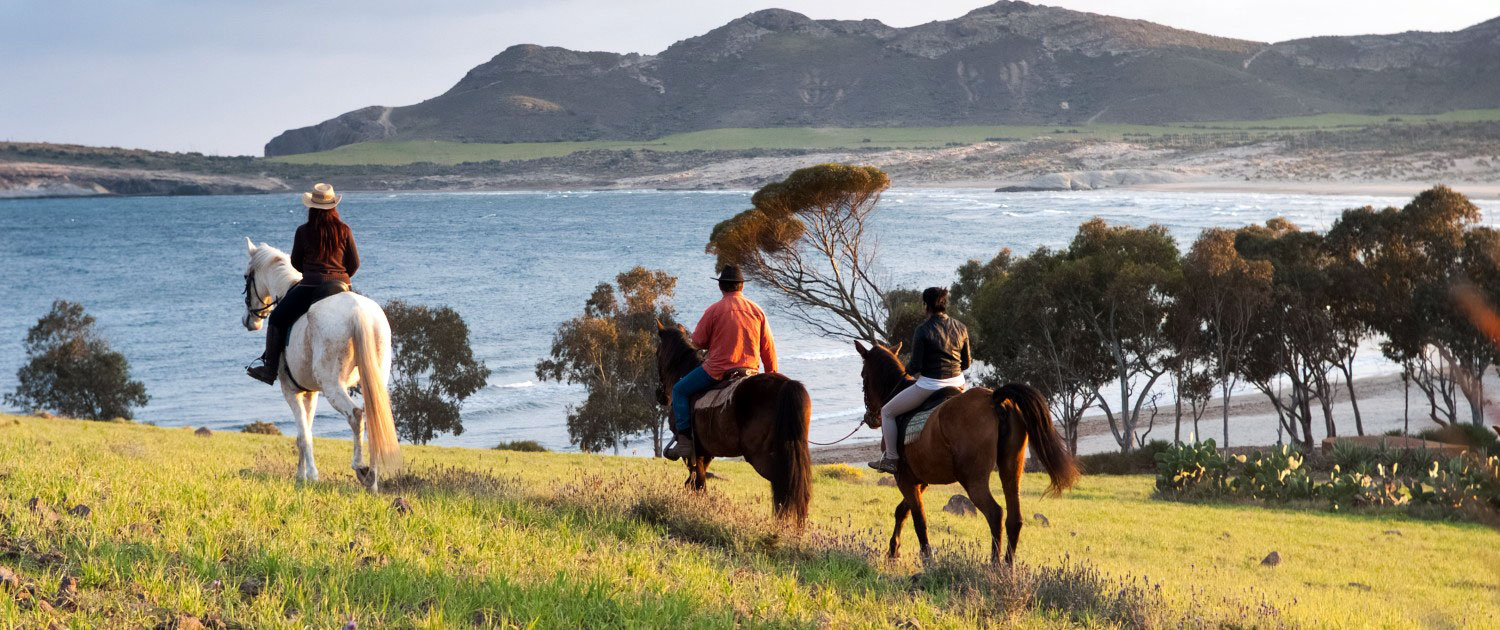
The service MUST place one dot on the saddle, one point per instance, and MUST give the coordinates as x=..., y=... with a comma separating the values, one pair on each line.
x=719, y=395
x=910, y=424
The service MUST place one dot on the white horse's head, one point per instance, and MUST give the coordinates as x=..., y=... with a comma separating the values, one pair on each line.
x=267, y=276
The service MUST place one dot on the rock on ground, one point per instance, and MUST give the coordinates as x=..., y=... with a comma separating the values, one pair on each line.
x=960, y=505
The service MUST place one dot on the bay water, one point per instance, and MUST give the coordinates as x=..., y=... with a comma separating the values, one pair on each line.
x=163, y=277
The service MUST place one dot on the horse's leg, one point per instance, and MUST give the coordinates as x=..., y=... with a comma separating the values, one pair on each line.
x=978, y=488
x=1010, y=482
x=912, y=492
x=338, y=396
x=304, y=431
x=902, y=509
x=700, y=473
x=304, y=406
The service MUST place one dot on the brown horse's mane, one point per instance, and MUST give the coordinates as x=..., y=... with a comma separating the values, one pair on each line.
x=887, y=372
x=679, y=355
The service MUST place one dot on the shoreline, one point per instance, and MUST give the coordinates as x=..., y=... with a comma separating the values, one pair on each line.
x=1480, y=191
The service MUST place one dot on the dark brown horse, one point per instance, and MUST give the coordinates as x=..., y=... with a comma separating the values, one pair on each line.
x=765, y=422
x=965, y=440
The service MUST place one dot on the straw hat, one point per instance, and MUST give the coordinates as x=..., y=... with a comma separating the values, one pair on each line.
x=321, y=197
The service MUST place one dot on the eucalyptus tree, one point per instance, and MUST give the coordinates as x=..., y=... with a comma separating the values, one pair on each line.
x=1400, y=266
x=1296, y=337
x=610, y=349
x=1119, y=283
x=1025, y=331
x=1225, y=293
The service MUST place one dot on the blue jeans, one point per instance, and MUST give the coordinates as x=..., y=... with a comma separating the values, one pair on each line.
x=682, y=397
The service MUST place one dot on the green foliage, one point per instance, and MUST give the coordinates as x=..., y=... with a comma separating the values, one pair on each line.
x=1141, y=461
x=432, y=370
x=841, y=472
x=523, y=446
x=1427, y=484
x=1399, y=266
x=71, y=371
x=260, y=427
x=611, y=350
x=1478, y=437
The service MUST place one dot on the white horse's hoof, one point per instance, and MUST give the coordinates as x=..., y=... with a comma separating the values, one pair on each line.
x=366, y=476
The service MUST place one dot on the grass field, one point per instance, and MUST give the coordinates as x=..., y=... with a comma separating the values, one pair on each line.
x=215, y=528
x=442, y=152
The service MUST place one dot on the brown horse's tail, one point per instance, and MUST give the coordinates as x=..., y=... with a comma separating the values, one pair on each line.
x=1048, y=446
x=791, y=477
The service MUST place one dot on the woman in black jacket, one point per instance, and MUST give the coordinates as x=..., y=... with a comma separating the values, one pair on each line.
x=323, y=250
x=939, y=356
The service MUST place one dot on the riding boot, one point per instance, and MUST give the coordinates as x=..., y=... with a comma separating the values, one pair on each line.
x=270, y=361
x=681, y=447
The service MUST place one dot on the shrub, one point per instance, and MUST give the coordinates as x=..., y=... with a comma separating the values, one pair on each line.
x=1141, y=461
x=261, y=428
x=524, y=446
x=841, y=472
x=1474, y=436
x=1425, y=482
x=71, y=371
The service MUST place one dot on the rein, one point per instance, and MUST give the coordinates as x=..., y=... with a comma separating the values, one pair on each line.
x=250, y=291
x=857, y=425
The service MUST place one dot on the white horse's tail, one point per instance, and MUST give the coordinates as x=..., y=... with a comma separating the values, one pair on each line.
x=380, y=426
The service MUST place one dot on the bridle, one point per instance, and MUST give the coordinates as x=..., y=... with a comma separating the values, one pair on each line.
x=251, y=294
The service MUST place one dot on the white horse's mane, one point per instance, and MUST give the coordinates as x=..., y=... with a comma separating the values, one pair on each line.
x=276, y=264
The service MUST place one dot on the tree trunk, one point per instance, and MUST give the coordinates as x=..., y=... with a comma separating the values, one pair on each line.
x=1177, y=432
x=1348, y=370
x=1224, y=395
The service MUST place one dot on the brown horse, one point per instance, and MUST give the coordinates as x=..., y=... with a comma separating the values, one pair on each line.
x=965, y=440
x=765, y=422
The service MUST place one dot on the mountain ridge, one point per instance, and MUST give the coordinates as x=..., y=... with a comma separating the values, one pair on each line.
x=1006, y=63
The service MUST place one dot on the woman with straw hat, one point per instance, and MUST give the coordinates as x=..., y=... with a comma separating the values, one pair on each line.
x=324, y=252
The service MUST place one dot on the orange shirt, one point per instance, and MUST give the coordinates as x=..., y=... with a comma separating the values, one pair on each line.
x=736, y=335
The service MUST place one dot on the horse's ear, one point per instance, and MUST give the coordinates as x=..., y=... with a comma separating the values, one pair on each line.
x=860, y=348
x=660, y=327
x=249, y=245
x=897, y=350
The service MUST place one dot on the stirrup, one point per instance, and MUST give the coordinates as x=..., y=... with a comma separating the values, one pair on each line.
x=886, y=465
x=263, y=372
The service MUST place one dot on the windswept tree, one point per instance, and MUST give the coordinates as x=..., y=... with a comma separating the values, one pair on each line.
x=808, y=239
x=71, y=370
x=1121, y=283
x=1224, y=293
x=611, y=350
x=432, y=370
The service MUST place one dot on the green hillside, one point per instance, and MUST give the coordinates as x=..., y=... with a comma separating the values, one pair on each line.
x=214, y=528
x=444, y=152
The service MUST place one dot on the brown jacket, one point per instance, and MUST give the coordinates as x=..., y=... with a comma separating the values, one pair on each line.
x=318, y=266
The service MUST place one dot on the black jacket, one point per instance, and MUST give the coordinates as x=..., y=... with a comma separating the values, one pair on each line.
x=939, y=349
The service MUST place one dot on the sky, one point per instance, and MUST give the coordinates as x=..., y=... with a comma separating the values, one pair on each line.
x=225, y=76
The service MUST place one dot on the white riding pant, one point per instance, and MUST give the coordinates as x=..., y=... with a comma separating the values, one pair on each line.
x=907, y=400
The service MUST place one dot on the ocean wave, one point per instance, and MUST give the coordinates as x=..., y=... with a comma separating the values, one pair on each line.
x=823, y=355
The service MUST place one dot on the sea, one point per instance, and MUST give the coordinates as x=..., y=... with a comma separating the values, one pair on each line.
x=163, y=277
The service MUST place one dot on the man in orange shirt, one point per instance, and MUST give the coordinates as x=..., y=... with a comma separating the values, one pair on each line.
x=735, y=334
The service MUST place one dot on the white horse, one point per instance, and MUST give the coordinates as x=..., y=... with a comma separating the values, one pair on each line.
x=342, y=340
